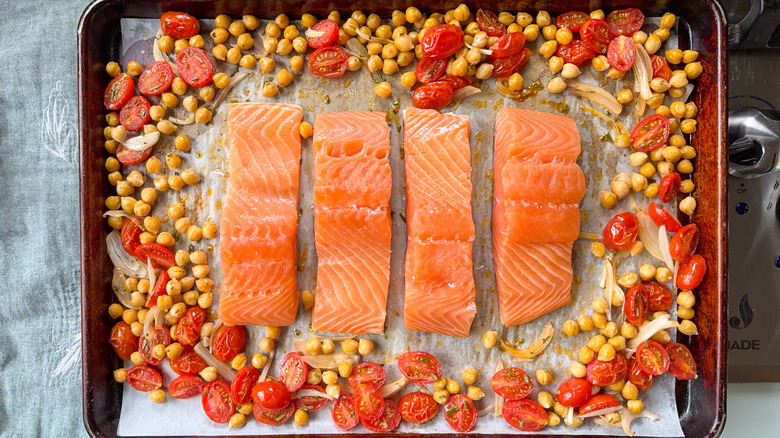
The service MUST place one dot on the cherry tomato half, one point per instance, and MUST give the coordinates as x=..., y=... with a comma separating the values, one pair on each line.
x=684, y=243
x=330, y=33
x=573, y=392
x=598, y=402
x=662, y=216
x=525, y=415
x=635, y=305
x=572, y=20
x=328, y=62
x=369, y=373
x=159, y=289
x=652, y=358
x=430, y=69
x=435, y=95
x=388, y=420
x=144, y=378
x=188, y=328
x=625, y=21
x=161, y=257
x=576, y=52
x=272, y=417
x=271, y=394
x=638, y=376
x=681, y=363
x=119, y=91
x=293, y=371
x=603, y=373
x=189, y=363
x=651, y=133
x=596, y=34
x=179, y=25
x=460, y=413
x=156, y=78
x=508, y=45
x=505, y=67
x=369, y=403
x=157, y=335
x=228, y=341
x=660, y=67
x=669, y=186
x=123, y=340
x=185, y=386
x=195, y=67
x=311, y=403
x=343, y=413
x=418, y=407
x=215, y=399
x=659, y=297
x=488, y=23
x=511, y=383
x=621, y=231
x=128, y=156
x=130, y=235
x=420, y=367
x=621, y=53
x=442, y=41
x=135, y=114
x=691, y=272
x=241, y=388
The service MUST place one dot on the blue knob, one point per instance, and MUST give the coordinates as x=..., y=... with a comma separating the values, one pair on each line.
x=742, y=208
x=777, y=262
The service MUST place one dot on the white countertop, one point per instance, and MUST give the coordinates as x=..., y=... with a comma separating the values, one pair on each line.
x=752, y=410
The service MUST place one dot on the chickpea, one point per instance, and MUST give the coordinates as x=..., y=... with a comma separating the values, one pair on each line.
x=484, y=71
x=578, y=369
x=585, y=323
x=204, y=284
x=531, y=32
x=679, y=79
x=543, y=18
x=474, y=393
x=313, y=346
x=489, y=339
x=291, y=32
x=441, y=396
x=284, y=78
x=690, y=56
x=617, y=342
x=134, y=68
x=349, y=346
x=307, y=299
x=365, y=347
x=563, y=36
x=647, y=170
x=570, y=71
x=383, y=89
x=548, y=48
x=570, y=328
x=543, y=377
x=137, y=359
x=113, y=69
x=556, y=85
x=598, y=249
x=599, y=320
x=659, y=85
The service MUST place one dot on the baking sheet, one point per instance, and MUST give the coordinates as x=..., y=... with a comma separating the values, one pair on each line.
x=354, y=92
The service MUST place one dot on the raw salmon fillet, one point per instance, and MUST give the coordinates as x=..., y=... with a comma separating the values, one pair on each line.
x=352, y=225
x=439, y=280
x=260, y=219
x=536, y=215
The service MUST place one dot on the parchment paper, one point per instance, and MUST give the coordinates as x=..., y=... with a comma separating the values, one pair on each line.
x=600, y=160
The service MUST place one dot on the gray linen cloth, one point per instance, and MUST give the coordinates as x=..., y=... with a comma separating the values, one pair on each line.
x=40, y=351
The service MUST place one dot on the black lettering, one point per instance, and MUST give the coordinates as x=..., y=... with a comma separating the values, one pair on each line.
x=755, y=344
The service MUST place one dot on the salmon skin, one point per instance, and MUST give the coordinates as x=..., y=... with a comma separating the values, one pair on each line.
x=260, y=220
x=352, y=224
x=536, y=215
x=439, y=292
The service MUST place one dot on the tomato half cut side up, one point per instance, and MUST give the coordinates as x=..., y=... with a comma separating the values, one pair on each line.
x=188, y=328
x=156, y=78
x=242, y=384
x=228, y=341
x=273, y=417
x=343, y=413
x=123, y=340
x=596, y=34
x=128, y=156
x=293, y=371
x=525, y=415
x=682, y=365
x=625, y=21
x=635, y=306
x=161, y=257
x=430, y=69
x=621, y=53
x=684, y=243
x=662, y=216
x=508, y=45
x=488, y=23
x=144, y=378
x=435, y=95
x=369, y=403
x=420, y=367
x=572, y=20
x=328, y=62
x=691, y=272
x=669, y=186
x=368, y=373
x=215, y=399
x=621, y=231
x=442, y=41
x=195, y=67
x=598, y=402
x=638, y=376
x=189, y=363
x=179, y=25
x=573, y=392
x=119, y=91
x=460, y=413
x=158, y=335
x=130, y=235
x=135, y=114
x=605, y=373
x=185, y=386
x=387, y=421
x=505, y=67
x=652, y=358
x=659, y=297
x=311, y=403
x=576, y=52
x=330, y=33
x=511, y=383
x=418, y=407
x=651, y=133
x=660, y=67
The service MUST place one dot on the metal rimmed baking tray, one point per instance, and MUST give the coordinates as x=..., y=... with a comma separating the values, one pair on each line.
x=701, y=402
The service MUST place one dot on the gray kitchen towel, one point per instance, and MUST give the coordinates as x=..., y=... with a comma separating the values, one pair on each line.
x=40, y=377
